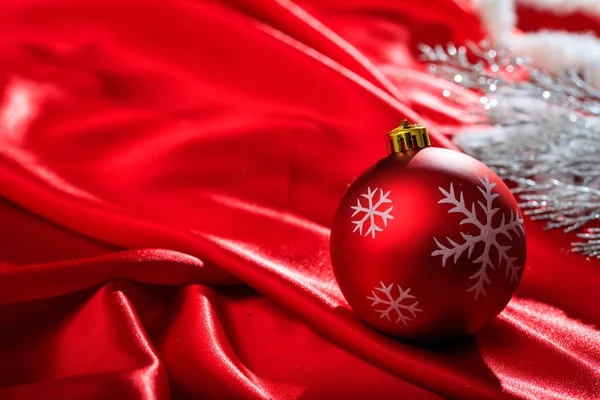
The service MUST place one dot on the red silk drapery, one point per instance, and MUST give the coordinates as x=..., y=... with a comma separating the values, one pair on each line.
x=168, y=171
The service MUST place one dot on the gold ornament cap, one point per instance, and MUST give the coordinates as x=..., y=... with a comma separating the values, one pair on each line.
x=407, y=137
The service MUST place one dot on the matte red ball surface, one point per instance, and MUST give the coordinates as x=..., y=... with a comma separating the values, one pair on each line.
x=428, y=245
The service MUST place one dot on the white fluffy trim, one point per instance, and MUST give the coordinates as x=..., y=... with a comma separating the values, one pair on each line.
x=553, y=50
x=563, y=7
x=560, y=50
x=498, y=16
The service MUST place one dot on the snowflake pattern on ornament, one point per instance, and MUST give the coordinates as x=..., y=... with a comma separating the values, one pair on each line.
x=394, y=305
x=371, y=211
x=488, y=235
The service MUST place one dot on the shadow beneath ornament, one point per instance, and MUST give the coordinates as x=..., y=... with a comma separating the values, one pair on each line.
x=452, y=367
x=464, y=357
x=445, y=345
x=462, y=352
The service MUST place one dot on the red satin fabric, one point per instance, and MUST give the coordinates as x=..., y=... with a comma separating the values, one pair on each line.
x=169, y=170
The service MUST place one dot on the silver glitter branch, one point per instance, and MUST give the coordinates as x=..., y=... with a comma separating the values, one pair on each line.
x=591, y=247
x=495, y=69
x=540, y=131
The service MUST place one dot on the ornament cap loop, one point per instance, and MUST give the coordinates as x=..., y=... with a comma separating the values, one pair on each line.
x=407, y=137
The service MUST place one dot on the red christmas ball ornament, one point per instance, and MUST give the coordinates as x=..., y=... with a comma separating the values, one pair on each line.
x=429, y=243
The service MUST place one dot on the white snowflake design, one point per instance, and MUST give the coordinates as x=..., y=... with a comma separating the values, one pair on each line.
x=488, y=234
x=371, y=211
x=394, y=304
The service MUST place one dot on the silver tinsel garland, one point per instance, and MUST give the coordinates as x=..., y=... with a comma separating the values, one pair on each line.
x=539, y=130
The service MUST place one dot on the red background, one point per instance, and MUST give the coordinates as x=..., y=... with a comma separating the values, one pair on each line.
x=224, y=134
